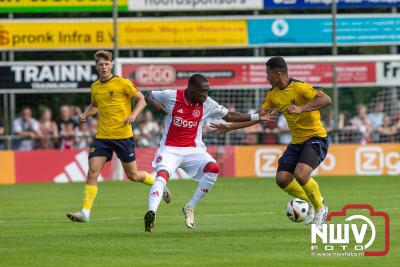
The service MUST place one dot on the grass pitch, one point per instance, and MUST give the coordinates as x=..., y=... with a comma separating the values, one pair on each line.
x=241, y=222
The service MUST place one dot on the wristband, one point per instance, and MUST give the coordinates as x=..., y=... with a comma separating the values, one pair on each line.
x=255, y=117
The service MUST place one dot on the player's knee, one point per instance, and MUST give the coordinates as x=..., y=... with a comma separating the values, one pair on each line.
x=93, y=174
x=282, y=180
x=164, y=174
x=301, y=175
x=211, y=167
x=282, y=183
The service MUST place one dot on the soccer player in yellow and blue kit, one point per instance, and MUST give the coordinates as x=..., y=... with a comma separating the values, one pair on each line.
x=299, y=103
x=111, y=97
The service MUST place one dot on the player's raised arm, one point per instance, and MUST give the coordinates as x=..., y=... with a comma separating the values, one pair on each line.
x=320, y=100
x=154, y=104
x=266, y=116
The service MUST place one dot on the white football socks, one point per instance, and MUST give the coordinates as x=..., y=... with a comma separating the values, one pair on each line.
x=156, y=193
x=205, y=184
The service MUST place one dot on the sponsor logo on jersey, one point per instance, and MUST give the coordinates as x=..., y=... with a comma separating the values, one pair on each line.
x=178, y=121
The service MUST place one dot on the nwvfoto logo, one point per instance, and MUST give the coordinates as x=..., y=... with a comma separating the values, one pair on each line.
x=354, y=235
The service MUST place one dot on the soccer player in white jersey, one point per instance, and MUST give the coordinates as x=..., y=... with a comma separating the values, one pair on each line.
x=182, y=146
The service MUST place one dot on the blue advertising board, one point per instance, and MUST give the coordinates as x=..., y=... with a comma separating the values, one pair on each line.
x=351, y=30
x=322, y=4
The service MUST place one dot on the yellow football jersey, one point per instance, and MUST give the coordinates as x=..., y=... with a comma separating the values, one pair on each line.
x=113, y=99
x=304, y=125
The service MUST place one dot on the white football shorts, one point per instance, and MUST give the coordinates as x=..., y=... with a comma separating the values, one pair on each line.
x=191, y=160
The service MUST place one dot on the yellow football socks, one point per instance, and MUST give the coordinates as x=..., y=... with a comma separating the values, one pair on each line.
x=89, y=195
x=295, y=189
x=314, y=195
x=149, y=180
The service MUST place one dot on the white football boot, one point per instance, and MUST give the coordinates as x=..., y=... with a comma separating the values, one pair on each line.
x=166, y=195
x=78, y=217
x=189, y=216
x=320, y=216
x=310, y=214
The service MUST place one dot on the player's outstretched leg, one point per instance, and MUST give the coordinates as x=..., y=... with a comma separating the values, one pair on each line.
x=135, y=175
x=313, y=193
x=149, y=220
x=208, y=179
x=89, y=195
x=156, y=194
x=149, y=180
x=90, y=191
x=286, y=181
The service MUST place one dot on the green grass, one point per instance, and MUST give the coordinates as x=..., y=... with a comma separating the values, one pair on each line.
x=242, y=222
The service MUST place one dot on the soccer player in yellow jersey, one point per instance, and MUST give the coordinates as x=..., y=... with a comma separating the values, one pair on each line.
x=111, y=97
x=299, y=103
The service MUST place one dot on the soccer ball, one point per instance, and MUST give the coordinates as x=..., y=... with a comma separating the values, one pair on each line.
x=297, y=209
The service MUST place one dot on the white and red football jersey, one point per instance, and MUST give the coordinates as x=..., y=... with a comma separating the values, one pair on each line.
x=184, y=122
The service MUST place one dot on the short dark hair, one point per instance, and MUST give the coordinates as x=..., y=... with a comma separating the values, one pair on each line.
x=102, y=54
x=277, y=63
x=196, y=80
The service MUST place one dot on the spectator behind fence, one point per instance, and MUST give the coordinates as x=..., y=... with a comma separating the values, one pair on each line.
x=151, y=129
x=26, y=127
x=91, y=122
x=344, y=121
x=282, y=130
x=376, y=119
x=362, y=123
x=75, y=112
x=65, y=117
x=387, y=131
x=251, y=133
x=48, y=130
x=396, y=117
x=67, y=136
x=141, y=139
x=2, y=132
x=2, y=129
x=83, y=136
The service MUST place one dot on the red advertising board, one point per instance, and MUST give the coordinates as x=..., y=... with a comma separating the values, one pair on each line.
x=58, y=166
x=64, y=166
x=245, y=75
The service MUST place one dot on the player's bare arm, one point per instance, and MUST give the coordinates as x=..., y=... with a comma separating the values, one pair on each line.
x=89, y=111
x=140, y=105
x=154, y=104
x=266, y=115
x=320, y=100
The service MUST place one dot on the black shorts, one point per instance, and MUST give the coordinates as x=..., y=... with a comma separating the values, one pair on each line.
x=124, y=148
x=312, y=152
